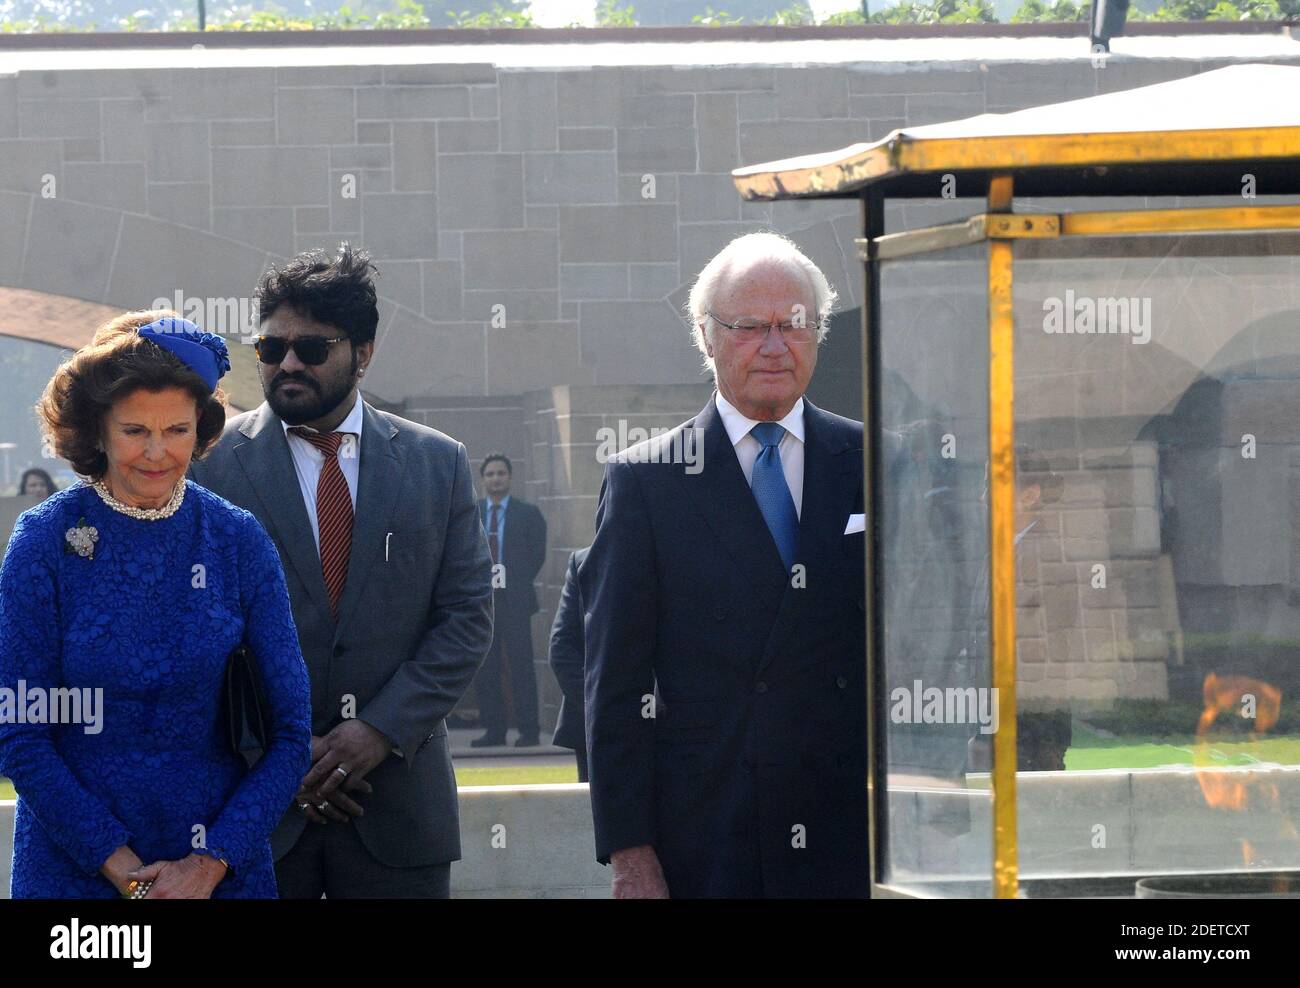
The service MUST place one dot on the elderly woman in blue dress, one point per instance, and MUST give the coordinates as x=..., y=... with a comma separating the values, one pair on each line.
x=121, y=599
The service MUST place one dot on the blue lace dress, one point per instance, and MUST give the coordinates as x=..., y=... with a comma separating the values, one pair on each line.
x=150, y=620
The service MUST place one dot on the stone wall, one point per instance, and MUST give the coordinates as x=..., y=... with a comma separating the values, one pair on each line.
x=1091, y=622
x=581, y=199
x=567, y=427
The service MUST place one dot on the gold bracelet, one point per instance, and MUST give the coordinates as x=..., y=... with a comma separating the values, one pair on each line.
x=136, y=889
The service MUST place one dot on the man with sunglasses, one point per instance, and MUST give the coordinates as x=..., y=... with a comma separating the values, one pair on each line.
x=389, y=578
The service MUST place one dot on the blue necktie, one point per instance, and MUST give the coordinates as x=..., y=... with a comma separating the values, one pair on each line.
x=772, y=493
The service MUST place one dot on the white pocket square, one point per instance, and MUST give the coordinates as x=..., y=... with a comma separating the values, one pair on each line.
x=857, y=523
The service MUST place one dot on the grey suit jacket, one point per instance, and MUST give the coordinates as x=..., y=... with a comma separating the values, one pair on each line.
x=415, y=619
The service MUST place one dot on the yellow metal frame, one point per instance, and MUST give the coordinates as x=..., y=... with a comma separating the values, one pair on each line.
x=1199, y=220
x=1000, y=226
x=1002, y=552
x=846, y=171
x=1015, y=226
x=973, y=230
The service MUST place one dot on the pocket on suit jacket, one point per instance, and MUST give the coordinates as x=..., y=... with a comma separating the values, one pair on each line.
x=411, y=545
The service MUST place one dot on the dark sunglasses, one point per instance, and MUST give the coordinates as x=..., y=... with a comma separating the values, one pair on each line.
x=312, y=350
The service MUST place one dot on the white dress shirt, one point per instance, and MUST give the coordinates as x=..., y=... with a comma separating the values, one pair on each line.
x=308, y=460
x=747, y=447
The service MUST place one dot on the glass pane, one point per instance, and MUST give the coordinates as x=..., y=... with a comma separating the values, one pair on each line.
x=933, y=396
x=1158, y=423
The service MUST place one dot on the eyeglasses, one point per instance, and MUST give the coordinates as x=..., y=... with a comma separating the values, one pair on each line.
x=751, y=330
x=311, y=350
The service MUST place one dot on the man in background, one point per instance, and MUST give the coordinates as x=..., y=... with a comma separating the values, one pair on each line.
x=516, y=533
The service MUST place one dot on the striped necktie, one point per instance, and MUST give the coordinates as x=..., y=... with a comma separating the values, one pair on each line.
x=333, y=513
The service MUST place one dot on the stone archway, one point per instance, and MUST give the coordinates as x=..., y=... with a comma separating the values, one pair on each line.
x=38, y=330
x=69, y=323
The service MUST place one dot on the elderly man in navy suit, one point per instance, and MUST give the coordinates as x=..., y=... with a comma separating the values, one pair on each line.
x=725, y=681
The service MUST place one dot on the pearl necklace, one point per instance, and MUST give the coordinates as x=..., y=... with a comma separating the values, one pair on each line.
x=145, y=514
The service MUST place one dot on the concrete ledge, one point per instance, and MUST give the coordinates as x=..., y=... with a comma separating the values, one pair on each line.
x=527, y=842
x=536, y=841
x=516, y=842
x=1113, y=822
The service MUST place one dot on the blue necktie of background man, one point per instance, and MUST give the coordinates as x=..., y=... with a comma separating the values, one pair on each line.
x=772, y=492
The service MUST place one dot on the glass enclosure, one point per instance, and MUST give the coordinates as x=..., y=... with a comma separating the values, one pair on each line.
x=934, y=417
x=1157, y=593
x=1157, y=392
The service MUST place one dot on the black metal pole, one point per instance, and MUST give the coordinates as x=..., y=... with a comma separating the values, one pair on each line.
x=203, y=15
x=872, y=216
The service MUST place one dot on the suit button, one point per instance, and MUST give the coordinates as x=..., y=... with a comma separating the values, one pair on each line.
x=744, y=765
x=760, y=687
x=841, y=682
x=719, y=615
x=338, y=650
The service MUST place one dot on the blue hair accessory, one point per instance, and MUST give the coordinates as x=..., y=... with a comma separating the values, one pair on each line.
x=204, y=353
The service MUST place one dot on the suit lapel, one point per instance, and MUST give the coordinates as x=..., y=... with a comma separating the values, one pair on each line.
x=725, y=500
x=268, y=465
x=377, y=495
x=831, y=478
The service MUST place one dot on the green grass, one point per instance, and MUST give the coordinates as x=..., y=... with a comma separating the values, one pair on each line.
x=1091, y=751
x=508, y=775
x=515, y=775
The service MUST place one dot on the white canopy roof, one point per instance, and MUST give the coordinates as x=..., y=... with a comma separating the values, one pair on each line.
x=1232, y=97
x=1250, y=115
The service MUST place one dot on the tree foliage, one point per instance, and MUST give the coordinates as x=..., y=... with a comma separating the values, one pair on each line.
x=610, y=14
x=55, y=16
x=1057, y=11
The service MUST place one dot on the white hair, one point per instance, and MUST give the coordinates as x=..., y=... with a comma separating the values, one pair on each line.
x=749, y=248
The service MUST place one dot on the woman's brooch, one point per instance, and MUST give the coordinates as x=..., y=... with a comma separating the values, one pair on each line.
x=82, y=539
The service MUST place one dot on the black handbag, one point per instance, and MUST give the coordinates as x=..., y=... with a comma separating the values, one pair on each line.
x=245, y=711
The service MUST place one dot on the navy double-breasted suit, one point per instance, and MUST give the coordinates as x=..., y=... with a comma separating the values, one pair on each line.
x=725, y=696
